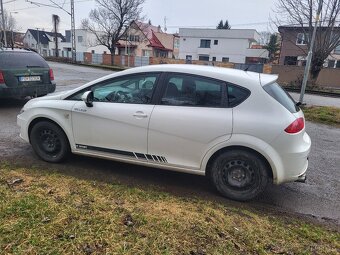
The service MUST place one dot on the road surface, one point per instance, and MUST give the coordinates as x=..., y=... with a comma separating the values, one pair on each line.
x=319, y=197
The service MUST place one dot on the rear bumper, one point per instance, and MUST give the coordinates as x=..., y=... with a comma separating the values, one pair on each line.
x=292, y=163
x=34, y=90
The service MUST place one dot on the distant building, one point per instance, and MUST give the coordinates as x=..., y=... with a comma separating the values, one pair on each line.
x=234, y=45
x=294, y=48
x=146, y=40
x=39, y=40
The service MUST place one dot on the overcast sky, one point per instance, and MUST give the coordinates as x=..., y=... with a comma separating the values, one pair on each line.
x=179, y=13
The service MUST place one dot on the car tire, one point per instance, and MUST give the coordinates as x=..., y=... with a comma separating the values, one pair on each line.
x=49, y=142
x=239, y=174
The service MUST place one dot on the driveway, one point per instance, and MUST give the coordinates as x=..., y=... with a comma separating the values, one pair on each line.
x=318, y=198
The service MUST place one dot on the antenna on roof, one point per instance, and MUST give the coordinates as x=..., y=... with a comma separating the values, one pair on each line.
x=165, y=28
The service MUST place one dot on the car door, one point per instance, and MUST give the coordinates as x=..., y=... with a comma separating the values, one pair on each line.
x=191, y=117
x=118, y=121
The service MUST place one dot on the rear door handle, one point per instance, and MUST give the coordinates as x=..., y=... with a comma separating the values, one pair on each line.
x=140, y=115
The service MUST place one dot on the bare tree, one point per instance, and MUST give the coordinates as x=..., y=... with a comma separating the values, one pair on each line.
x=109, y=21
x=301, y=13
x=56, y=21
x=10, y=25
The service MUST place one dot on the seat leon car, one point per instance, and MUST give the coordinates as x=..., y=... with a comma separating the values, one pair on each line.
x=24, y=73
x=240, y=129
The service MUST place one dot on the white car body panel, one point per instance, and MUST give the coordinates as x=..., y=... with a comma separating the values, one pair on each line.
x=182, y=128
x=125, y=124
x=176, y=137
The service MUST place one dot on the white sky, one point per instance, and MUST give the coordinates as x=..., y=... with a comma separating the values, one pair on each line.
x=179, y=13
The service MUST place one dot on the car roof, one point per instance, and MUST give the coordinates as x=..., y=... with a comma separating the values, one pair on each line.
x=246, y=79
x=221, y=73
x=6, y=50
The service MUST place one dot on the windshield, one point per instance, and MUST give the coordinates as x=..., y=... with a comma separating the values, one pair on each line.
x=280, y=95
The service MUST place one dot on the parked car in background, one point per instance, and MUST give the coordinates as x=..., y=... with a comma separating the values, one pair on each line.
x=24, y=73
x=241, y=129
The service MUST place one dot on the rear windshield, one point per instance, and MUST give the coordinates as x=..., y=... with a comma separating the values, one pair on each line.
x=21, y=60
x=280, y=95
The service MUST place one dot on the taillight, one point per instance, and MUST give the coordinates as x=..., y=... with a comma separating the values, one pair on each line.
x=296, y=126
x=51, y=75
x=2, y=79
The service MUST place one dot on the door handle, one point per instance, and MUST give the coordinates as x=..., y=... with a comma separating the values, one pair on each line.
x=140, y=114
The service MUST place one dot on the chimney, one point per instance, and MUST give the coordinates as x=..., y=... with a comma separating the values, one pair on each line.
x=159, y=29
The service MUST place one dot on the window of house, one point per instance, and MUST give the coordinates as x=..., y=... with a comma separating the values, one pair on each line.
x=189, y=90
x=225, y=60
x=301, y=39
x=331, y=63
x=176, y=44
x=214, y=59
x=205, y=43
x=134, y=38
x=203, y=57
x=80, y=39
x=337, y=50
x=146, y=53
x=92, y=51
x=290, y=61
x=337, y=64
x=215, y=42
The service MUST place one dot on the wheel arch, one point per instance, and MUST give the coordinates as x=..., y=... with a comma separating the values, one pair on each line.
x=39, y=119
x=239, y=147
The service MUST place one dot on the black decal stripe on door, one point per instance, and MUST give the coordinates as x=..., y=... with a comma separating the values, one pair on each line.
x=139, y=156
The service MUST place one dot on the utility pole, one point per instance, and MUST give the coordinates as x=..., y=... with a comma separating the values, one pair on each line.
x=3, y=22
x=73, y=34
x=38, y=46
x=310, y=53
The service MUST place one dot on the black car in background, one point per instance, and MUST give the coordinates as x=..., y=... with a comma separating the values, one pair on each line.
x=24, y=73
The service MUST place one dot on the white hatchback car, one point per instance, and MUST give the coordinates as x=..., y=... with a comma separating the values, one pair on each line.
x=239, y=128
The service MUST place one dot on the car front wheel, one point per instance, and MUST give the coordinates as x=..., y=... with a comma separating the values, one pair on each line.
x=49, y=142
x=239, y=174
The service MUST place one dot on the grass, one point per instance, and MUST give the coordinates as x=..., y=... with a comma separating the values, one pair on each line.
x=323, y=114
x=49, y=213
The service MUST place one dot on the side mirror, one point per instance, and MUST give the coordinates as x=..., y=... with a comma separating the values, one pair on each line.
x=87, y=97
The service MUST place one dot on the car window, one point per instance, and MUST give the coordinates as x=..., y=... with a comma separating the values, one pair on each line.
x=236, y=95
x=280, y=95
x=187, y=90
x=137, y=89
x=21, y=60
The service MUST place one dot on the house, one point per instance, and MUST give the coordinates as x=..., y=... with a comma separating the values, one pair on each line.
x=234, y=45
x=146, y=40
x=85, y=42
x=39, y=40
x=294, y=48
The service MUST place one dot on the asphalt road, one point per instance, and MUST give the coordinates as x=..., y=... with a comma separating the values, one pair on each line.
x=318, y=198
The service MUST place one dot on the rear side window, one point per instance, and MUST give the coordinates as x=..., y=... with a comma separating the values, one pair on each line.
x=190, y=90
x=236, y=95
x=280, y=95
x=21, y=60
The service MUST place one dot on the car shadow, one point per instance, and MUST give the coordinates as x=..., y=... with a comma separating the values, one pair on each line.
x=12, y=102
x=175, y=183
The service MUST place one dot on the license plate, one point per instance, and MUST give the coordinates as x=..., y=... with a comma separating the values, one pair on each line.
x=29, y=78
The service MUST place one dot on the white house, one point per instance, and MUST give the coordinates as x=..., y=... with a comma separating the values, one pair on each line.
x=234, y=45
x=85, y=42
x=39, y=40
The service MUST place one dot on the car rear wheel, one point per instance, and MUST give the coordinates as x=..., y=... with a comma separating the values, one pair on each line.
x=49, y=142
x=239, y=174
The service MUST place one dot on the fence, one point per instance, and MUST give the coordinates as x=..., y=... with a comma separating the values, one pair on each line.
x=291, y=75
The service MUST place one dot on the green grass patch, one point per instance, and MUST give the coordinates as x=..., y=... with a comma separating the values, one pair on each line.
x=323, y=114
x=44, y=212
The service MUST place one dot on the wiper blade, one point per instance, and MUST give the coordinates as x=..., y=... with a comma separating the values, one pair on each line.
x=33, y=66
